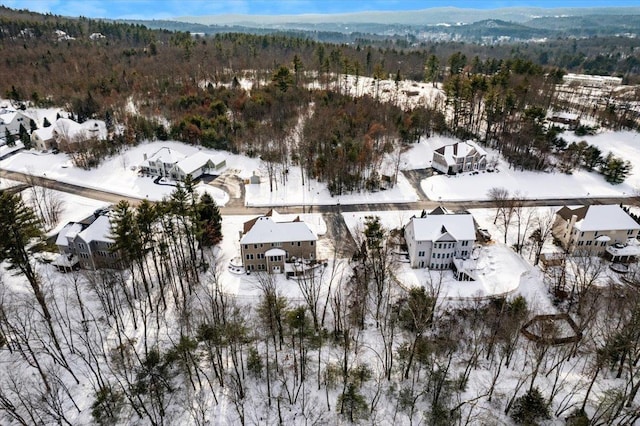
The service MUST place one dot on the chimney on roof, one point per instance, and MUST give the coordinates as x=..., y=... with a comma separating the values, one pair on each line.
x=144, y=156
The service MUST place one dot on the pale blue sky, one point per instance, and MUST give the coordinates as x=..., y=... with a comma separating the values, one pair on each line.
x=164, y=9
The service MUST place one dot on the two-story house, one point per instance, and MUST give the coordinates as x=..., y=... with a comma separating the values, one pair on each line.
x=591, y=230
x=11, y=120
x=68, y=133
x=459, y=157
x=87, y=244
x=437, y=238
x=169, y=163
x=267, y=243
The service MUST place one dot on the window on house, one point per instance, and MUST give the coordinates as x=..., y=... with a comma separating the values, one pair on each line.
x=255, y=246
x=589, y=242
x=420, y=254
x=580, y=243
x=310, y=243
x=630, y=232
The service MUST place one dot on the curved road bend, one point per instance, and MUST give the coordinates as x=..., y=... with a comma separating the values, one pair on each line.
x=111, y=197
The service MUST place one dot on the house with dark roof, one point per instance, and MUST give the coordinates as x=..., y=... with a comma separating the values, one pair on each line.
x=437, y=238
x=268, y=243
x=459, y=157
x=594, y=229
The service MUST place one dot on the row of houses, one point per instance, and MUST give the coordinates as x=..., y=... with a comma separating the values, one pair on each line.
x=439, y=240
x=62, y=134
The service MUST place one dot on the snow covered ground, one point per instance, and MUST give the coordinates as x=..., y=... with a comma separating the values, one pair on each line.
x=529, y=184
x=498, y=268
x=117, y=175
x=247, y=286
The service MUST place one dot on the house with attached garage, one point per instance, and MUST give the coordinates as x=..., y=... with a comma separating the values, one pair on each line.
x=69, y=133
x=459, y=157
x=269, y=244
x=437, y=238
x=597, y=230
x=169, y=163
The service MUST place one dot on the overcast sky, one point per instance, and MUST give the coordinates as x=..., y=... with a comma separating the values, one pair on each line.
x=163, y=9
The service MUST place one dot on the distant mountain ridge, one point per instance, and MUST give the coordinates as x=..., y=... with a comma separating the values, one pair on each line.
x=440, y=15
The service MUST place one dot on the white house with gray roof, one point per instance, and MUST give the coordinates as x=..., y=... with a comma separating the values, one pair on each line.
x=437, y=238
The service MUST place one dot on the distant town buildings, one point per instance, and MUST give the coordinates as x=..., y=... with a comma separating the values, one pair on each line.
x=598, y=81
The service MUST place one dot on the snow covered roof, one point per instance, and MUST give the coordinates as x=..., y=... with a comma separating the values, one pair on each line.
x=632, y=248
x=459, y=150
x=265, y=230
x=275, y=252
x=167, y=156
x=599, y=218
x=8, y=115
x=198, y=160
x=99, y=230
x=439, y=226
x=70, y=230
x=44, y=133
x=71, y=130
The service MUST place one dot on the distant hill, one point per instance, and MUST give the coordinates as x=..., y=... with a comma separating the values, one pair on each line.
x=434, y=16
x=477, y=25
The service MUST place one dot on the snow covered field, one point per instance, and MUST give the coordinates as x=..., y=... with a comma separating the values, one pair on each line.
x=116, y=175
x=529, y=184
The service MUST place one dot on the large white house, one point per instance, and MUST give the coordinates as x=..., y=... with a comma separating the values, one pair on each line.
x=67, y=132
x=596, y=229
x=459, y=157
x=437, y=238
x=167, y=162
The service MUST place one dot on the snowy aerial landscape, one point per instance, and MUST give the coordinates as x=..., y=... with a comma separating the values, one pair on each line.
x=229, y=228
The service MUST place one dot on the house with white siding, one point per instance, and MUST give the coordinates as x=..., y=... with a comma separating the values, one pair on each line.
x=437, y=238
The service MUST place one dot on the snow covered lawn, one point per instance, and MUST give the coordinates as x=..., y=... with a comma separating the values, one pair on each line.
x=117, y=175
x=529, y=184
x=247, y=286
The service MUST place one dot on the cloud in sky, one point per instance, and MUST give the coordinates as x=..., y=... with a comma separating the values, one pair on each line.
x=164, y=9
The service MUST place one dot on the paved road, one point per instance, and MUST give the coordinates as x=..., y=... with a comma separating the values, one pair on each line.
x=237, y=208
x=96, y=194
